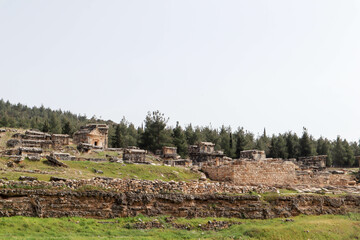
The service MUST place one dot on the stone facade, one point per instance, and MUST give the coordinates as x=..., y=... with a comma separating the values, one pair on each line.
x=312, y=162
x=253, y=154
x=60, y=139
x=204, y=152
x=94, y=134
x=33, y=138
x=274, y=172
x=134, y=156
x=248, y=172
x=178, y=162
x=323, y=178
x=169, y=153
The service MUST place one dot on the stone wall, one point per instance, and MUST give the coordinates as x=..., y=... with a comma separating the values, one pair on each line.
x=272, y=172
x=134, y=156
x=253, y=154
x=141, y=186
x=312, y=162
x=243, y=172
x=324, y=178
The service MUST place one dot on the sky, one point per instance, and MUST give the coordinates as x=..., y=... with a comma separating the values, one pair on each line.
x=280, y=64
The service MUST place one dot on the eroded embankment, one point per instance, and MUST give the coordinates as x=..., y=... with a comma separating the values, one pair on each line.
x=102, y=204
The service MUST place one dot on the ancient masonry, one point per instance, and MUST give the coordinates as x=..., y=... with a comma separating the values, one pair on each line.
x=256, y=169
x=204, y=152
x=134, y=155
x=93, y=134
x=33, y=138
x=169, y=153
x=31, y=144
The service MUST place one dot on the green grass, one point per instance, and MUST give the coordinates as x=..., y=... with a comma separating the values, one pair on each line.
x=85, y=170
x=303, y=227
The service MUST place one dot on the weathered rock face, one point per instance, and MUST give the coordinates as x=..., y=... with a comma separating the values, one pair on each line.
x=98, y=204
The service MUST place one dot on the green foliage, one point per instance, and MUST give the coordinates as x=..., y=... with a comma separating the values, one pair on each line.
x=263, y=143
x=67, y=129
x=179, y=140
x=84, y=170
x=155, y=135
x=226, y=141
x=292, y=145
x=278, y=147
x=44, y=119
x=117, y=138
x=303, y=227
x=324, y=148
x=240, y=141
x=46, y=127
x=54, y=123
x=192, y=136
x=305, y=145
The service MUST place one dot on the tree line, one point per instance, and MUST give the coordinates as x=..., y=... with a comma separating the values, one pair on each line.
x=155, y=133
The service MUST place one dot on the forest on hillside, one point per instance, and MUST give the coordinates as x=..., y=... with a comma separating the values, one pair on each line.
x=156, y=133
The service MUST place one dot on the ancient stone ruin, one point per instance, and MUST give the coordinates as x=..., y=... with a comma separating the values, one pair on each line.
x=204, y=152
x=312, y=162
x=169, y=153
x=34, y=138
x=134, y=155
x=255, y=169
x=62, y=156
x=93, y=134
x=253, y=154
x=178, y=162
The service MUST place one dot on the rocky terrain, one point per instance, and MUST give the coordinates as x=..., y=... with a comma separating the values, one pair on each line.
x=102, y=204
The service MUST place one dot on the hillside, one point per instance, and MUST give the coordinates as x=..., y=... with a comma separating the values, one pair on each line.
x=156, y=133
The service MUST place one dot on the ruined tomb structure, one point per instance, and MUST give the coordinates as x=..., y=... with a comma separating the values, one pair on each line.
x=253, y=154
x=204, y=152
x=134, y=156
x=169, y=153
x=37, y=139
x=178, y=162
x=94, y=134
x=312, y=162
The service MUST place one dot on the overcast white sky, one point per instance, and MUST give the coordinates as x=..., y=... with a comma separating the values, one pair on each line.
x=275, y=64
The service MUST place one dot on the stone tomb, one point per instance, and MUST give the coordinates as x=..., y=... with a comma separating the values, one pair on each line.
x=134, y=156
x=93, y=134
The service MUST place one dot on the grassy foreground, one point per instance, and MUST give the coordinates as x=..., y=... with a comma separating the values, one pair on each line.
x=303, y=227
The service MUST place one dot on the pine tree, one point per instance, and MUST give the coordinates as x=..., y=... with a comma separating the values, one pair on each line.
x=54, y=124
x=66, y=129
x=349, y=155
x=45, y=127
x=278, y=147
x=155, y=135
x=117, y=138
x=305, y=145
x=179, y=140
x=240, y=142
x=324, y=148
x=225, y=140
x=263, y=143
x=338, y=153
x=292, y=145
